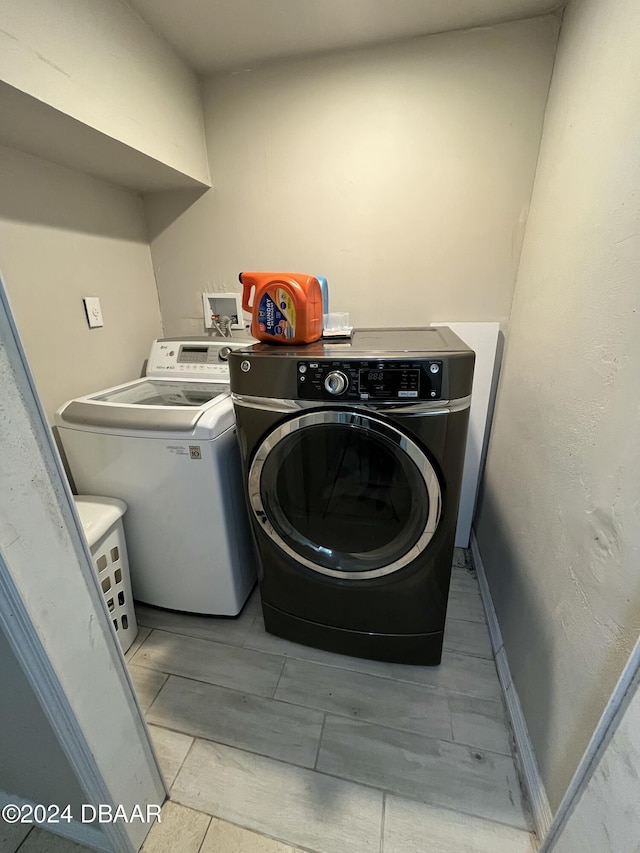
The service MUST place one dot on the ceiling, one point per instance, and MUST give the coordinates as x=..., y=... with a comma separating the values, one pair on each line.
x=216, y=35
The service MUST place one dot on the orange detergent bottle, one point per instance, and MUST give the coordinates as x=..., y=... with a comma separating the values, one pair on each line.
x=286, y=307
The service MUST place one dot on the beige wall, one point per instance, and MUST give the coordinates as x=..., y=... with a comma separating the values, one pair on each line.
x=559, y=523
x=403, y=173
x=98, y=62
x=63, y=236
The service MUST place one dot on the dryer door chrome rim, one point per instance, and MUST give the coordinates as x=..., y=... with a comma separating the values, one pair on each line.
x=345, y=494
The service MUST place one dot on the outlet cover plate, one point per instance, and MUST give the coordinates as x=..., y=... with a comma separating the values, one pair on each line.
x=94, y=312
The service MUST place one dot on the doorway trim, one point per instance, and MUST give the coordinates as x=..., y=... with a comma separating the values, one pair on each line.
x=55, y=617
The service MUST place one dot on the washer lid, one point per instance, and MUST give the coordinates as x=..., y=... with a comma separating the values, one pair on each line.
x=146, y=404
x=163, y=393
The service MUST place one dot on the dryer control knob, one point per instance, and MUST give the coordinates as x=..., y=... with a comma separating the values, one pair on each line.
x=336, y=382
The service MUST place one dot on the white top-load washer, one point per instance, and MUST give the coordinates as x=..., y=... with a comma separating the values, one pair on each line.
x=166, y=445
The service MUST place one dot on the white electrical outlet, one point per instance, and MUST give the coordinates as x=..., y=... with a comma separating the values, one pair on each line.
x=94, y=312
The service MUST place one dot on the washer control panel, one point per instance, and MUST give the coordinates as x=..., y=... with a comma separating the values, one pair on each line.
x=191, y=359
x=379, y=380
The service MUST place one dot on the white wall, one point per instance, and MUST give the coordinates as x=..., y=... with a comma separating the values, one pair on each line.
x=63, y=236
x=559, y=523
x=98, y=62
x=402, y=173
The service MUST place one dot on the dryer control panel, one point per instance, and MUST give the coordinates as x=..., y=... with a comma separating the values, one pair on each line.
x=370, y=380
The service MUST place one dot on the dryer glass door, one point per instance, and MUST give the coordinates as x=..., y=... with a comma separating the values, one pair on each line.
x=345, y=494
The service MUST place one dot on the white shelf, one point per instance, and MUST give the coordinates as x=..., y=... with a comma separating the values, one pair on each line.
x=36, y=128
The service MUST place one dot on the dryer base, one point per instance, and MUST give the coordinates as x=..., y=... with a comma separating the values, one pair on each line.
x=421, y=649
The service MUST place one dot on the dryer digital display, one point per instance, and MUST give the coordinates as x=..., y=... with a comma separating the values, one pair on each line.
x=389, y=384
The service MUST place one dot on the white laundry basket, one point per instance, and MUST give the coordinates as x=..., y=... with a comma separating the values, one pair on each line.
x=102, y=524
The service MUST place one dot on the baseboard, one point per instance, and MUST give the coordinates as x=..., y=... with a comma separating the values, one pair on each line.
x=82, y=833
x=542, y=814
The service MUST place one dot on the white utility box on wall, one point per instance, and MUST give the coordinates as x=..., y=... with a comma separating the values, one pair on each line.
x=222, y=305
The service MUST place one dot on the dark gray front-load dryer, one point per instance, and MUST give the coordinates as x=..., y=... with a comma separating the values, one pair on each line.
x=353, y=454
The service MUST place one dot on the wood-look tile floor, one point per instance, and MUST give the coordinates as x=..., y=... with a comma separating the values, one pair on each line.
x=272, y=747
